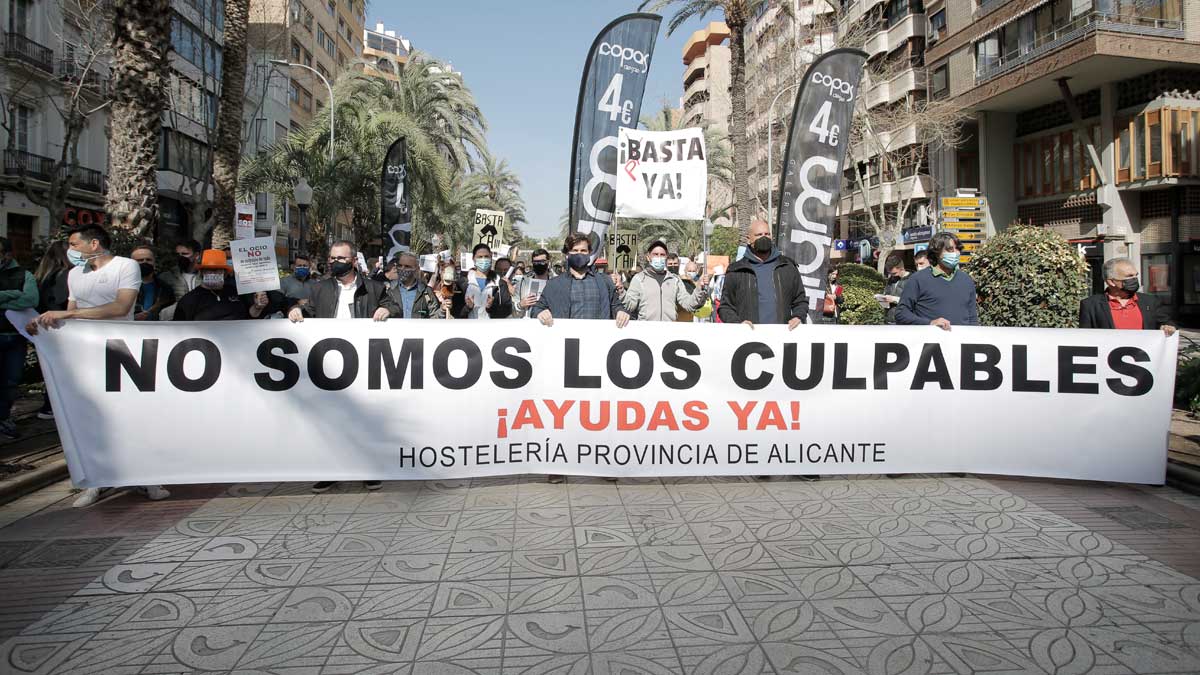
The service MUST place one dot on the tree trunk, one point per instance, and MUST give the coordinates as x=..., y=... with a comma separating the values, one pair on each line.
x=737, y=127
x=141, y=35
x=227, y=150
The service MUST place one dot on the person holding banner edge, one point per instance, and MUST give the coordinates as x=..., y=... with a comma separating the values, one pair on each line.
x=101, y=286
x=1120, y=306
x=763, y=287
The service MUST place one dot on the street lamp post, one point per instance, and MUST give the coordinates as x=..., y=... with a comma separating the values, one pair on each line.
x=708, y=230
x=770, y=152
x=288, y=64
x=303, y=195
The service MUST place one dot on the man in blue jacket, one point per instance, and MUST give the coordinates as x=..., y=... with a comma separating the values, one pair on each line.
x=941, y=295
x=581, y=293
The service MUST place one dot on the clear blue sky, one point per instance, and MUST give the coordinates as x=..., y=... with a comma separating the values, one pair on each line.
x=523, y=61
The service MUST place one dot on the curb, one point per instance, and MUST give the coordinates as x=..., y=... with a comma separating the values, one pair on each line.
x=32, y=480
x=1183, y=477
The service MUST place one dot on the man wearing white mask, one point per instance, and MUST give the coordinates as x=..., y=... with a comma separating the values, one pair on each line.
x=100, y=286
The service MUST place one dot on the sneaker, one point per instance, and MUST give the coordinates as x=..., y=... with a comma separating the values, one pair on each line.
x=45, y=414
x=156, y=493
x=371, y=485
x=323, y=486
x=9, y=429
x=87, y=498
x=554, y=479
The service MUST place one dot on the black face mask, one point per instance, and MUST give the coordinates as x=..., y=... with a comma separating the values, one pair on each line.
x=185, y=263
x=762, y=244
x=1130, y=285
x=540, y=267
x=341, y=269
x=673, y=269
x=147, y=269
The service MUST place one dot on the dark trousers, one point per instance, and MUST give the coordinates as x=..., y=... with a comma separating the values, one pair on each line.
x=12, y=367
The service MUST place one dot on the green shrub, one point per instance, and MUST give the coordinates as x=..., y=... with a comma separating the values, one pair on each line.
x=860, y=284
x=1029, y=276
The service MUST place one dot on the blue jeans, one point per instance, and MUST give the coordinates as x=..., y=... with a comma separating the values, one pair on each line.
x=12, y=367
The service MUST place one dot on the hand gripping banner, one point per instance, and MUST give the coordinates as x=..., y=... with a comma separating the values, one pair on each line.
x=415, y=399
x=395, y=212
x=811, y=179
x=610, y=97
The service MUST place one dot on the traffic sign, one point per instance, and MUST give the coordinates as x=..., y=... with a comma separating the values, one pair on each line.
x=969, y=247
x=962, y=214
x=958, y=202
x=963, y=228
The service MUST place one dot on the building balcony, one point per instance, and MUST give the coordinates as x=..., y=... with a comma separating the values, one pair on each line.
x=700, y=85
x=1090, y=52
x=987, y=69
x=20, y=48
x=36, y=167
x=889, y=39
x=856, y=10
x=919, y=186
x=695, y=69
x=892, y=140
x=90, y=80
x=896, y=88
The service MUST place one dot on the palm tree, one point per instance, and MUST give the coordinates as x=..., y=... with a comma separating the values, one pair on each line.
x=227, y=146
x=502, y=188
x=736, y=12
x=141, y=34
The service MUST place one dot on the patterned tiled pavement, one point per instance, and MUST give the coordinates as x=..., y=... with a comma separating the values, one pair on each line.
x=918, y=575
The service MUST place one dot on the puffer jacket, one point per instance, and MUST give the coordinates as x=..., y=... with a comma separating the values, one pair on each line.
x=659, y=297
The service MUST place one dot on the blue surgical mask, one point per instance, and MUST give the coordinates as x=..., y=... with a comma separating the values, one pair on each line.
x=301, y=273
x=695, y=276
x=659, y=264
x=483, y=264
x=76, y=257
x=950, y=259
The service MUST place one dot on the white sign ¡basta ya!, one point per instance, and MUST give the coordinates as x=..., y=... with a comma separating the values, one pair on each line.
x=662, y=174
x=587, y=398
x=254, y=265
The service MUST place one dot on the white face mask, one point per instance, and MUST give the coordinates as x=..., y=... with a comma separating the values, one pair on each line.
x=213, y=280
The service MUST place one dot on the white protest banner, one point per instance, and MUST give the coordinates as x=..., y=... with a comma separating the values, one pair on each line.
x=254, y=265
x=662, y=174
x=357, y=400
x=243, y=224
x=488, y=228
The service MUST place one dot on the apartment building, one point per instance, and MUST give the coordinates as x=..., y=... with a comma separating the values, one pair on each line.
x=384, y=53
x=325, y=36
x=46, y=56
x=706, y=96
x=780, y=45
x=1084, y=121
x=889, y=175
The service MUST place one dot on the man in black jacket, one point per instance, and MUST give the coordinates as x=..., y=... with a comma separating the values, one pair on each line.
x=347, y=294
x=1120, y=306
x=764, y=286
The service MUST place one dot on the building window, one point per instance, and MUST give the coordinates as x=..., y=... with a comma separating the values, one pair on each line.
x=939, y=83
x=937, y=25
x=182, y=154
x=296, y=52
x=308, y=60
x=190, y=43
x=325, y=42
x=18, y=16
x=1156, y=274
x=1154, y=138
x=331, y=8
x=308, y=21
x=300, y=96
x=281, y=131
x=22, y=122
x=321, y=69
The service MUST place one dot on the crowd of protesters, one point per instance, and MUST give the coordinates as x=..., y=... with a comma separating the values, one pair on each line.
x=83, y=279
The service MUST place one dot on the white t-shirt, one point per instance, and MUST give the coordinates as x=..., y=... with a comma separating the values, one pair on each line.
x=190, y=279
x=346, y=299
x=93, y=288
